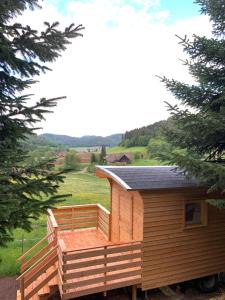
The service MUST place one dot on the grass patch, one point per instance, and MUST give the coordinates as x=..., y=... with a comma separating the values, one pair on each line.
x=119, y=149
x=85, y=188
x=146, y=162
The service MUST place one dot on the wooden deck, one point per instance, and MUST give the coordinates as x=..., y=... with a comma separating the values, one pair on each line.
x=78, y=256
x=83, y=239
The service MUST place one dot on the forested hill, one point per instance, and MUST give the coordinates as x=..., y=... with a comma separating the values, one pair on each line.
x=141, y=136
x=84, y=141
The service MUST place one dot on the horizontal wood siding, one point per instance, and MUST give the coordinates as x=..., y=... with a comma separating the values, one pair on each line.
x=172, y=253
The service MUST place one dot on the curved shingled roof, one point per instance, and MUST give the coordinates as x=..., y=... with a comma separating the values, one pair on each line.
x=148, y=178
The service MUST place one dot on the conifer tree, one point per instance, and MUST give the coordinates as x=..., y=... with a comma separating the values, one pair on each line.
x=25, y=191
x=102, y=158
x=200, y=119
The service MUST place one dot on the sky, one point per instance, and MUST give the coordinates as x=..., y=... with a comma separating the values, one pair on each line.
x=109, y=74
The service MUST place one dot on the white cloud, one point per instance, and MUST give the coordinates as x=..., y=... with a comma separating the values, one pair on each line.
x=108, y=75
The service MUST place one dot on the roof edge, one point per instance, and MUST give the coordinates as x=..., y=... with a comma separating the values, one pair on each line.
x=114, y=176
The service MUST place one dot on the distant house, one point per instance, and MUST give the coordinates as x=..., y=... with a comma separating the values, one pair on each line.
x=119, y=158
x=59, y=158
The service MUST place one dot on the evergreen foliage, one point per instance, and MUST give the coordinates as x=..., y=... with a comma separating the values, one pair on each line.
x=25, y=191
x=141, y=136
x=200, y=120
x=102, y=156
x=159, y=147
x=93, y=158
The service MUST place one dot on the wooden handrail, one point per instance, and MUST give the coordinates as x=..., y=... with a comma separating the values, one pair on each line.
x=39, y=254
x=74, y=206
x=35, y=246
x=37, y=262
x=113, y=245
x=103, y=208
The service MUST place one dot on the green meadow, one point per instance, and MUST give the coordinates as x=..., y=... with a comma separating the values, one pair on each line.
x=120, y=149
x=84, y=188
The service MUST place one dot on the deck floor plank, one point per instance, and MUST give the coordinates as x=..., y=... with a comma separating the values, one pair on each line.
x=84, y=239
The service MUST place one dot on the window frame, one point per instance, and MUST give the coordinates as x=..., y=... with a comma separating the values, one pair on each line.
x=204, y=214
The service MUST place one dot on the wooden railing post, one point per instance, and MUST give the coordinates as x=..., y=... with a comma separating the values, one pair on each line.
x=22, y=290
x=105, y=265
x=61, y=267
x=110, y=226
x=97, y=212
x=73, y=220
x=134, y=292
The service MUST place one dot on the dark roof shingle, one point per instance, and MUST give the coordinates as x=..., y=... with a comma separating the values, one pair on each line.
x=147, y=178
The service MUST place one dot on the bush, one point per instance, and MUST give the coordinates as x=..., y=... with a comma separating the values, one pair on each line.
x=93, y=158
x=91, y=168
x=71, y=161
x=158, y=148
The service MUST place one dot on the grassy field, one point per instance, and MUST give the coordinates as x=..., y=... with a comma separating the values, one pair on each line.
x=146, y=162
x=119, y=149
x=85, y=188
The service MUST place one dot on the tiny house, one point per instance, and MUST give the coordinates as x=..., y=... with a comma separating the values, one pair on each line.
x=182, y=236
x=160, y=230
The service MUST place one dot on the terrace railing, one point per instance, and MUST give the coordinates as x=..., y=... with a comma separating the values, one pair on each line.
x=84, y=271
x=36, y=261
x=100, y=269
x=79, y=217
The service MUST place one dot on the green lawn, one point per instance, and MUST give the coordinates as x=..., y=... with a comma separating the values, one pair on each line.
x=85, y=188
x=146, y=162
x=119, y=149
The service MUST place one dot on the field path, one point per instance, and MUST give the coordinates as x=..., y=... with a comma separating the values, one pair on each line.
x=84, y=170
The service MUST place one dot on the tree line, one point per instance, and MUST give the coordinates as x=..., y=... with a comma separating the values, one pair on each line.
x=141, y=136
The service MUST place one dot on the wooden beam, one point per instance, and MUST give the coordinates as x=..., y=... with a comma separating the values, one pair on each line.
x=134, y=292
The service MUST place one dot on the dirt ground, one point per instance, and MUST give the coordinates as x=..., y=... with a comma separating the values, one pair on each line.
x=8, y=287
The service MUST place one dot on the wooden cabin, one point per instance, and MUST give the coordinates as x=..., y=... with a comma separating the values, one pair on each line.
x=121, y=158
x=159, y=231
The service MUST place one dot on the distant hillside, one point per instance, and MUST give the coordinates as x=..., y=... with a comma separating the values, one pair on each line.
x=84, y=141
x=141, y=136
x=34, y=141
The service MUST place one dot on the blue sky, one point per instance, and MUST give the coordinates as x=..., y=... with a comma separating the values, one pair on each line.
x=179, y=9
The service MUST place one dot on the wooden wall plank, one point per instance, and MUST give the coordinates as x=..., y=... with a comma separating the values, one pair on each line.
x=172, y=253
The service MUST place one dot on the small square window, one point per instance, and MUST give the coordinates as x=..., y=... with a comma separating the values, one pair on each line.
x=195, y=213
